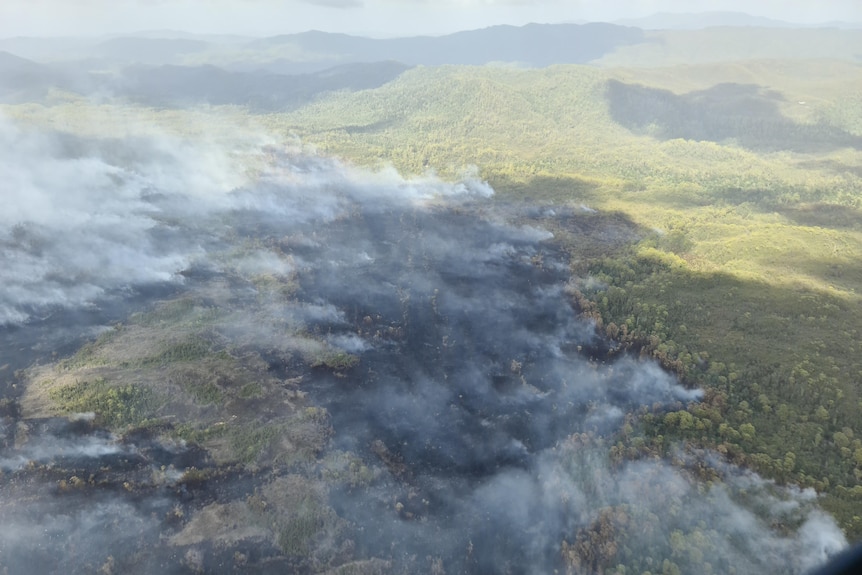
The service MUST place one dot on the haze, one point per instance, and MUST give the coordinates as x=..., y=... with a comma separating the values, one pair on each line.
x=380, y=287
x=368, y=17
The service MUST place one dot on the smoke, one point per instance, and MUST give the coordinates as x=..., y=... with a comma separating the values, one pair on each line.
x=473, y=415
x=83, y=218
x=77, y=537
x=53, y=450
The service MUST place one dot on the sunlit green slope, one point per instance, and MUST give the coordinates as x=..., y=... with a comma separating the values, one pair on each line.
x=748, y=178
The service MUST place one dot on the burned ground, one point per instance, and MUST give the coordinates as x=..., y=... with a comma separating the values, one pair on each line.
x=355, y=374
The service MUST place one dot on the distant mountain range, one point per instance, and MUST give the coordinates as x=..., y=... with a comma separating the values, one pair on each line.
x=534, y=45
x=531, y=45
x=696, y=21
x=182, y=85
x=22, y=80
x=288, y=70
x=281, y=71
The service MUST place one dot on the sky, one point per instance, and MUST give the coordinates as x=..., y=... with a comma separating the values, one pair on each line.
x=380, y=18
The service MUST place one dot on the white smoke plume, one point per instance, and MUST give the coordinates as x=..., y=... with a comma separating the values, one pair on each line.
x=82, y=218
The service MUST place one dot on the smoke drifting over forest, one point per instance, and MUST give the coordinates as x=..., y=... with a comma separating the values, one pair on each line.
x=469, y=415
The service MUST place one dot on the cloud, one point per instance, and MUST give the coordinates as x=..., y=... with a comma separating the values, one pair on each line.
x=375, y=17
x=336, y=3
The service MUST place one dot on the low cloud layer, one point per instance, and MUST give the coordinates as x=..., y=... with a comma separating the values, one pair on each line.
x=380, y=17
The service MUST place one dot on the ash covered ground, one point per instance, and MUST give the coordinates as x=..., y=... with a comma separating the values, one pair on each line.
x=321, y=369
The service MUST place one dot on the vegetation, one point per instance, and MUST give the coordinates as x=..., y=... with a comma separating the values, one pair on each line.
x=298, y=438
x=721, y=44
x=114, y=406
x=743, y=277
x=731, y=196
x=336, y=361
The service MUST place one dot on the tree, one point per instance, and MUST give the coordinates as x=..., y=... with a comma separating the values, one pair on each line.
x=747, y=431
x=789, y=463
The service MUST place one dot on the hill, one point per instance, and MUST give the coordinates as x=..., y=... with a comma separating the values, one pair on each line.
x=530, y=45
x=147, y=50
x=23, y=80
x=740, y=44
x=749, y=174
x=180, y=86
x=533, y=45
x=699, y=20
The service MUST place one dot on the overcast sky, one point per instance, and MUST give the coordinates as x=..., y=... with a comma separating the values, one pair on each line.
x=370, y=17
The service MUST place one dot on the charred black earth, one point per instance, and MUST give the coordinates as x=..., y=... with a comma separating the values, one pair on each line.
x=348, y=376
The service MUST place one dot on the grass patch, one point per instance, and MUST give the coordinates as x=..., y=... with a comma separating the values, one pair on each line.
x=295, y=439
x=180, y=311
x=89, y=353
x=193, y=434
x=251, y=390
x=115, y=406
x=299, y=514
x=189, y=350
x=337, y=361
x=205, y=392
